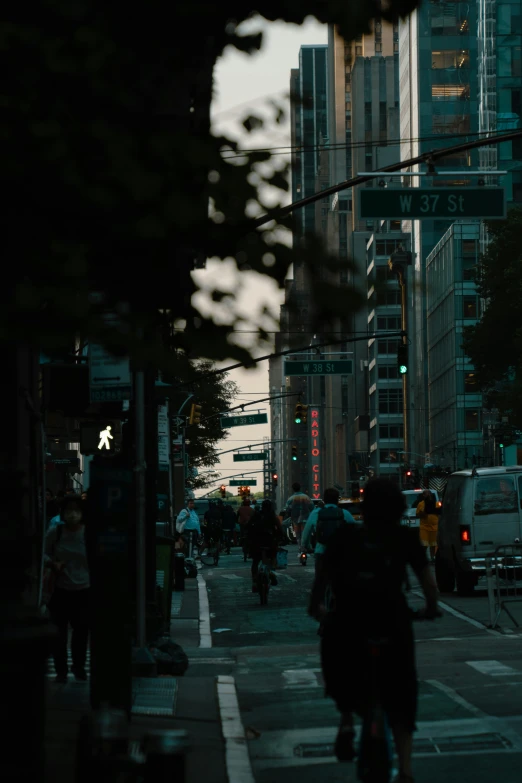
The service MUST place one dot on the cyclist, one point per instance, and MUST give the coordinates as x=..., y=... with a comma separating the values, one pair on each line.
x=324, y=521
x=187, y=522
x=366, y=567
x=263, y=530
x=213, y=523
x=244, y=513
x=229, y=525
x=299, y=506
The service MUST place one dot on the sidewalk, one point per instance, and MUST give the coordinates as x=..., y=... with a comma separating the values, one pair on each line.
x=203, y=706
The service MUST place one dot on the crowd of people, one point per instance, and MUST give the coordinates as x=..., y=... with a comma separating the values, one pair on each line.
x=360, y=574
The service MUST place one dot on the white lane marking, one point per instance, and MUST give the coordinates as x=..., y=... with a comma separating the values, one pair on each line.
x=196, y=661
x=287, y=576
x=237, y=759
x=461, y=616
x=300, y=678
x=493, y=668
x=454, y=696
x=205, y=635
x=230, y=576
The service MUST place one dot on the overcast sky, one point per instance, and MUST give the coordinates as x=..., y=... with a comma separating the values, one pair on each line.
x=243, y=84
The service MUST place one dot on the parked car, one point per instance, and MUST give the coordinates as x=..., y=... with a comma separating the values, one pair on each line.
x=482, y=510
x=413, y=498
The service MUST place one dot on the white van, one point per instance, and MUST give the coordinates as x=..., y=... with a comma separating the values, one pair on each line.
x=482, y=510
x=412, y=498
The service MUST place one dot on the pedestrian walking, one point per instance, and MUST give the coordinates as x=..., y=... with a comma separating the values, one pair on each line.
x=429, y=521
x=69, y=603
x=299, y=507
x=263, y=530
x=366, y=569
x=323, y=522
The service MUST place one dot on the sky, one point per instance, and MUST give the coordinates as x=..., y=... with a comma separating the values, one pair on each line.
x=242, y=84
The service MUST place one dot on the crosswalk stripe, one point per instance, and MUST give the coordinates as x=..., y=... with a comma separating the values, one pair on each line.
x=300, y=678
x=493, y=668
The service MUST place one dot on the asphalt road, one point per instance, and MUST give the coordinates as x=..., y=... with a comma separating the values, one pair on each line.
x=470, y=705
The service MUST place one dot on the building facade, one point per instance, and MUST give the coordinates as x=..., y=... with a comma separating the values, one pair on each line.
x=438, y=91
x=455, y=404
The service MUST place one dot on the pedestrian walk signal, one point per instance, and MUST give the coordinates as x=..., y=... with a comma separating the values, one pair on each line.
x=294, y=453
x=195, y=414
x=402, y=358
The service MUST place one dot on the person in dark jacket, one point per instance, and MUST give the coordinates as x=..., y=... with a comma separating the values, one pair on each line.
x=229, y=525
x=366, y=569
x=263, y=530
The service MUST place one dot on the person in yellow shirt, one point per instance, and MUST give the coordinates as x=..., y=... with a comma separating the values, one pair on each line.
x=429, y=521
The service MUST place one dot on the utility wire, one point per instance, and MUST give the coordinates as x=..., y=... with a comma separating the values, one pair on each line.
x=426, y=157
x=302, y=148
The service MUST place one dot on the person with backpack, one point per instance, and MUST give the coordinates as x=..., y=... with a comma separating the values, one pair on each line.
x=366, y=566
x=229, y=525
x=263, y=530
x=323, y=522
x=299, y=507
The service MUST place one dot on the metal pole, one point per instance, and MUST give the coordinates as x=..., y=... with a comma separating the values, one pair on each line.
x=141, y=600
x=491, y=593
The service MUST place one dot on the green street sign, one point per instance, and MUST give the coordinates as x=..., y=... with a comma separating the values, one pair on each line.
x=344, y=367
x=250, y=456
x=432, y=203
x=241, y=421
x=242, y=483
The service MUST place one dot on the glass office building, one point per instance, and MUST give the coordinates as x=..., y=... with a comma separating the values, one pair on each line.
x=309, y=127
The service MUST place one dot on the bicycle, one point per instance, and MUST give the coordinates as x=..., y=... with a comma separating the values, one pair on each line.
x=264, y=570
x=375, y=754
x=213, y=548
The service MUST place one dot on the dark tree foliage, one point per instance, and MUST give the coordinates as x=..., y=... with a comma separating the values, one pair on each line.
x=109, y=165
x=215, y=394
x=495, y=343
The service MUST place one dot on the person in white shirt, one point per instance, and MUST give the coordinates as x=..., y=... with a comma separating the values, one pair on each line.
x=188, y=519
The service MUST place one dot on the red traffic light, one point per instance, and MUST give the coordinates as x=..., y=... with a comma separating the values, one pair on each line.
x=408, y=473
x=274, y=476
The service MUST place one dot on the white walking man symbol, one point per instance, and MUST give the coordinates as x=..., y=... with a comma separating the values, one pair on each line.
x=104, y=438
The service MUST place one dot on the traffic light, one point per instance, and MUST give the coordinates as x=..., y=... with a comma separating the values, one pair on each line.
x=294, y=453
x=402, y=358
x=274, y=479
x=298, y=417
x=223, y=491
x=195, y=414
x=304, y=413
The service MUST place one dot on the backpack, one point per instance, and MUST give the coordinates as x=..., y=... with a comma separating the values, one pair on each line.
x=328, y=521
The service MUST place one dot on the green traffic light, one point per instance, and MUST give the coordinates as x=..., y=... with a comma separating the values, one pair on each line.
x=403, y=369
x=501, y=445
x=297, y=420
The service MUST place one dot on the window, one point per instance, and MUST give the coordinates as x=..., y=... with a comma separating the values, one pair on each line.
x=450, y=123
x=495, y=495
x=390, y=400
x=395, y=46
x=358, y=51
x=469, y=307
x=388, y=372
x=378, y=47
x=471, y=419
x=385, y=347
x=450, y=92
x=389, y=322
x=450, y=58
x=470, y=383
x=390, y=456
x=385, y=247
x=395, y=431
x=382, y=116
x=395, y=225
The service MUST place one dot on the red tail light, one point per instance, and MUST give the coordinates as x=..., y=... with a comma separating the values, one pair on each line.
x=465, y=534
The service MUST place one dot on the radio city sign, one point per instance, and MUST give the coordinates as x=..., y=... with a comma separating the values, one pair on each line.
x=315, y=452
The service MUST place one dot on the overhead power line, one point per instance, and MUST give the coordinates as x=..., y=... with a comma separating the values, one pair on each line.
x=426, y=157
x=303, y=148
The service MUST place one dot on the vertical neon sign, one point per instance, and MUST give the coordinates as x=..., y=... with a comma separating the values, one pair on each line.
x=315, y=453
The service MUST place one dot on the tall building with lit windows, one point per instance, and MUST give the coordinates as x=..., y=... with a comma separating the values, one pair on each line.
x=438, y=94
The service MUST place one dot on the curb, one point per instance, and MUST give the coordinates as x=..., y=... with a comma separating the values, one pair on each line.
x=237, y=758
x=205, y=636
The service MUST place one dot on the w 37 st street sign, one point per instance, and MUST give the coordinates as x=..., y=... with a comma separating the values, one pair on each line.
x=432, y=203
